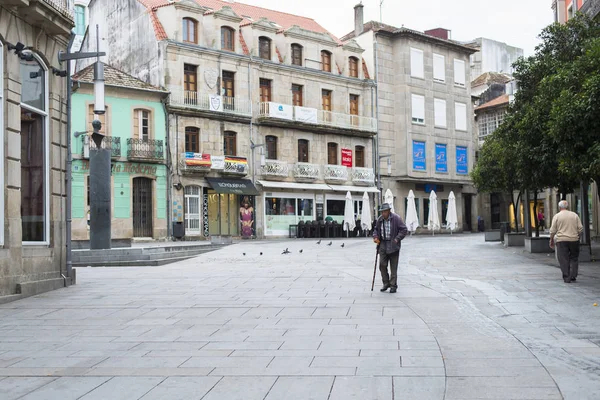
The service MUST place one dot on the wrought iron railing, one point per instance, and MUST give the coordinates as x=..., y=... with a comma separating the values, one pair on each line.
x=363, y=176
x=236, y=166
x=63, y=6
x=305, y=171
x=210, y=102
x=112, y=143
x=275, y=169
x=335, y=173
x=143, y=149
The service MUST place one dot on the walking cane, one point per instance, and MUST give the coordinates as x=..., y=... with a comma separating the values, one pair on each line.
x=375, y=269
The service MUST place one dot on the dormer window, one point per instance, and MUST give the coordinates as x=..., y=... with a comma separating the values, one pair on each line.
x=190, y=30
x=296, y=54
x=326, y=61
x=264, y=48
x=227, y=38
x=353, y=67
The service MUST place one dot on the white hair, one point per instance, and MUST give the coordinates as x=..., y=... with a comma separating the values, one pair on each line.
x=563, y=204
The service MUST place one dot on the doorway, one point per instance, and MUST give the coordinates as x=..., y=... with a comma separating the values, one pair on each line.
x=223, y=214
x=142, y=207
x=192, y=210
x=467, y=214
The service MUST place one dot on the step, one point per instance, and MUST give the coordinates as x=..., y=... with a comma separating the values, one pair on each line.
x=140, y=252
x=137, y=260
x=136, y=263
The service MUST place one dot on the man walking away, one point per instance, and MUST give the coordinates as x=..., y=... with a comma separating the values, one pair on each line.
x=565, y=232
x=388, y=233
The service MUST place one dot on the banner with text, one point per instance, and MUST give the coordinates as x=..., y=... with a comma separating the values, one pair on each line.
x=419, y=161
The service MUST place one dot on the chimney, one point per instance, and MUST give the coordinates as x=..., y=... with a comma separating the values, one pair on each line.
x=440, y=33
x=358, y=19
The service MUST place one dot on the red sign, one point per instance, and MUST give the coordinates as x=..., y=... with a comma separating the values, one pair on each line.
x=347, y=157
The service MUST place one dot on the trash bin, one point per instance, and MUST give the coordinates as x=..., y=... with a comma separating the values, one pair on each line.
x=481, y=225
x=178, y=230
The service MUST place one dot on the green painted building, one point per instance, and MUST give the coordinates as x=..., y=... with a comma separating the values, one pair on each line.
x=135, y=127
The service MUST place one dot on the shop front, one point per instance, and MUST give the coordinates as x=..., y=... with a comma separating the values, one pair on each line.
x=229, y=208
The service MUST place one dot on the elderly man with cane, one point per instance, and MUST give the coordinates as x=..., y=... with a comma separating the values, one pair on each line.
x=388, y=233
x=565, y=232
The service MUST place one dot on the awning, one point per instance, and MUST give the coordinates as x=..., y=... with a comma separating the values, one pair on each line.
x=233, y=186
x=294, y=185
x=358, y=189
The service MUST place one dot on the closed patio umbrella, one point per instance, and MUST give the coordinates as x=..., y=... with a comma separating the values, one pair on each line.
x=451, y=217
x=389, y=198
x=433, y=220
x=349, y=223
x=365, y=215
x=412, y=219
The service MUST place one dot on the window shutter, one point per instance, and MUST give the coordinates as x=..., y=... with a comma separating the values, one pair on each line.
x=459, y=72
x=440, y=112
x=136, y=124
x=416, y=63
x=439, y=68
x=418, y=108
x=460, y=116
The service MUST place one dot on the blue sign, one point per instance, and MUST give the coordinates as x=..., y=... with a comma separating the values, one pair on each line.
x=462, y=160
x=441, y=158
x=419, y=162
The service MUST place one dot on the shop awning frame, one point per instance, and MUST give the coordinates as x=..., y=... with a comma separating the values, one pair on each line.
x=233, y=186
x=319, y=187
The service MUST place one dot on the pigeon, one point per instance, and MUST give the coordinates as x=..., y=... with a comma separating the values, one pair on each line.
x=261, y=253
x=300, y=250
x=286, y=251
x=319, y=242
x=244, y=253
x=330, y=243
x=342, y=244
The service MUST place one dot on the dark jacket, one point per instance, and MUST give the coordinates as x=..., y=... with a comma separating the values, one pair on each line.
x=398, y=232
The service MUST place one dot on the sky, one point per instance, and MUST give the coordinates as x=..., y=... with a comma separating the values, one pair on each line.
x=517, y=23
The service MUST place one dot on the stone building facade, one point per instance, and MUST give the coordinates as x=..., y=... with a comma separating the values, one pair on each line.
x=135, y=125
x=33, y=152
x=425, y=116
x=266, y=109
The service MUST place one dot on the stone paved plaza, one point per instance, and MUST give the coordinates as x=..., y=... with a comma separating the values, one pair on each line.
x=471, y=320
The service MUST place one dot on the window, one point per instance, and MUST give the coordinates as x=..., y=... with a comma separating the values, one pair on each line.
x=265, y=90
x=35, y=193
x=227, y=38
x=192, y=139
x=418, y=109
x=332, y=153
x=264, y=48
x=190, y=85
x=141, y=125
x=354, y=119
x=303, y=150
x=353, y=67
x=326, y=99
x=229, y=143
x=271, y=142
x=297, y=97
x=489, y=122
x=87, y=185
x=460, y=110
x=416, y=63
x=439, y=109
x=296, y=54
x=79, y=20
x=439, y=68
x=228, y=90
x=459, y=73
x=1, y=141
x=190, y=30
x=359, y=156
x=326, y=61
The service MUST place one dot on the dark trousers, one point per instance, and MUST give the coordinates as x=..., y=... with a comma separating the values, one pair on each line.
x=568, y=258
x=390, y=279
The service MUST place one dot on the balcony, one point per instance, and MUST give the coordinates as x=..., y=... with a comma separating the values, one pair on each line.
x=336, y=174
x=110, y=142
x=286, y=115
x=363, y=176
x=235, y=166
x=211, y=103
x=194, y=164
x=304, y=172
x=275, y=170
x=145, y=150
x=55, y=16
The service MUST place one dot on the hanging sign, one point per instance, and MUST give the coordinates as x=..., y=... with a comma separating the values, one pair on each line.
x=462, y=160
x=419, y=162
x=441, y=158
x=346, y=157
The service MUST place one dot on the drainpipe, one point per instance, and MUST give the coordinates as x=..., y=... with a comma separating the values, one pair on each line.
x=169, y=170
x=69, y=171
x=377, y=160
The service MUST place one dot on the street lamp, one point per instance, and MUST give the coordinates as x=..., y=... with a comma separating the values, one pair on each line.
x=99, y=107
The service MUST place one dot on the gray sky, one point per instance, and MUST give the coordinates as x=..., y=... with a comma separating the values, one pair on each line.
x=517, y=23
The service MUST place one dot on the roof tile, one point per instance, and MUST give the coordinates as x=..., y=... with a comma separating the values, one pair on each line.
x=498, y=101
x=114, y=77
